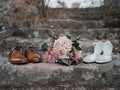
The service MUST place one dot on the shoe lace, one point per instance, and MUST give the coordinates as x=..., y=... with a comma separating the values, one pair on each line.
x=16, y=51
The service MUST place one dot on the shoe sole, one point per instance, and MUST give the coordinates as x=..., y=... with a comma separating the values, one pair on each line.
x=37, y=61
x=19, y=63
x=103, y=62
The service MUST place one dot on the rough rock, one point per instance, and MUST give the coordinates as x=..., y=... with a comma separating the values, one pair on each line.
x=44, y=76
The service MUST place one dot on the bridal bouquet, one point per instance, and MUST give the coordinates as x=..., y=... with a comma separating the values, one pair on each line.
x=65, y=50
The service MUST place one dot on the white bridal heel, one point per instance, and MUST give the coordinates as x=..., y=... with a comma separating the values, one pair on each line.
x=97, y=51
x=107, y=48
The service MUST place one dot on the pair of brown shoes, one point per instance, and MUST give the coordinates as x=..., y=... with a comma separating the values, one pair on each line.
x=20, y=56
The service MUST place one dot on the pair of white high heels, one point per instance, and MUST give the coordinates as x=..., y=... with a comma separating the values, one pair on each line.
x=102, y=53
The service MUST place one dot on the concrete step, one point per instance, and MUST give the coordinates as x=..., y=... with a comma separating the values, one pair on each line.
x=47, y=76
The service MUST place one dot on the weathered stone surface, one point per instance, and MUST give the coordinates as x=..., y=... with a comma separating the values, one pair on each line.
x=37, y=37
x=3, y=5
x=7, y=29
x=82, y=14
x=74, y=24
x=44, y=76
x=113, y=3
x=19, y=6
x=86, y=44
x=92, y=33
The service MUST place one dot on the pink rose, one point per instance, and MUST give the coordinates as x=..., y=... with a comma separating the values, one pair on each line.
x=49, y=49
x=78, y=52
x=47, y=57
x=76, y=56
x=51, y=55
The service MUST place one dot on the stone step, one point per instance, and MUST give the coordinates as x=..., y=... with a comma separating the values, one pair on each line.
x=72, y=24
x=82, y=10
x=58, y=24
x=36, y=37
x=86, y=44
x=82, y=14
x=46, y=76
x=90, y=29
x=93, y=33
x=86, y=17
x=43, y=33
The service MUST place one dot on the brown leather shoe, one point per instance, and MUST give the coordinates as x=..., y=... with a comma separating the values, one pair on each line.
x=16, y=56
x=32, y=55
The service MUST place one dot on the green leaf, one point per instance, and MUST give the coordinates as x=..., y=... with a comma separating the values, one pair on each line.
x=54, y=35
x=64, y=61
x=78, y=48
x=76, y=45
x=78, y=38
x=71, y=37
x=44, y=46
x=74, y=62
